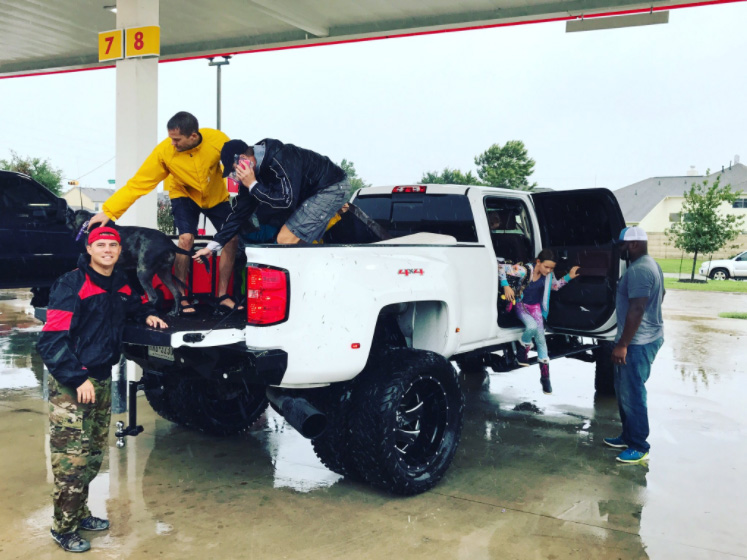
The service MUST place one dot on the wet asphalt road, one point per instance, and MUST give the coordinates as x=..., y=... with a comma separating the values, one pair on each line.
x=524, y=484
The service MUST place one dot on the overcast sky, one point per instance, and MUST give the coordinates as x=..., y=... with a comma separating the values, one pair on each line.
x=602, y=108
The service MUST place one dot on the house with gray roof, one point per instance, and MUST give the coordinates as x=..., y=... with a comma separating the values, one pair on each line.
x=655, y=203
x=87, y=198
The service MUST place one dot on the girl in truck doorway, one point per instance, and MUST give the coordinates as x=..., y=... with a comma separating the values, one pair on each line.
x=532, y=306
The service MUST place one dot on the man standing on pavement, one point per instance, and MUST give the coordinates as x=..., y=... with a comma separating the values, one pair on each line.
x=640, y=334
x=79, y=344
x=296, y=190
x=189, y=161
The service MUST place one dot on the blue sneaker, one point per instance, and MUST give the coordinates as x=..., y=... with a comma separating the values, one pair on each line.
x=92, y=523
x=632, y=456
x=71, y=542
x=615, y=442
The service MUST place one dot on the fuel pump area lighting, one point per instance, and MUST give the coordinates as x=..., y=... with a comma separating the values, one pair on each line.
x=218, y=64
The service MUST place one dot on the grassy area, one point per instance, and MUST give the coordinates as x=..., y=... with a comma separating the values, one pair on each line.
x=673, y=265
x=732, y=315
x=734, y=286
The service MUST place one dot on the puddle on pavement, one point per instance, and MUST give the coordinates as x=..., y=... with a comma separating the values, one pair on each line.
x=698, y=381
x=295, y=463
x=21, y=368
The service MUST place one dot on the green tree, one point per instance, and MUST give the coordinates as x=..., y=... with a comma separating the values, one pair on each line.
x=164, y=217
x=702, y=228
x=355, y=181
x=506, y=167
x=36, y=168
x=450, y=177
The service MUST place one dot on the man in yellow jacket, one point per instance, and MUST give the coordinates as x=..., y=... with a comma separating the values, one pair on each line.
x=188, y=162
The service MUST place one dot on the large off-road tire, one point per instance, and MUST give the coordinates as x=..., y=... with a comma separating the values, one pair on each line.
x=161, y=399
x=408, y=420
x=719, y=274
x=219, y=407
x=334, y=446
x=604, y=377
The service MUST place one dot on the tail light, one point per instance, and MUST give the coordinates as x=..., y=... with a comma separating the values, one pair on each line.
x=410, y=189
x=267, y=291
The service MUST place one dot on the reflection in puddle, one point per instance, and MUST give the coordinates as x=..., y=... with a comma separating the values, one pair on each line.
x=17, y=378
x=20, y=365
x=296, y=466
x=163, y=528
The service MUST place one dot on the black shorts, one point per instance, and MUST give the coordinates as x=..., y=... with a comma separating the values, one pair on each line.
x=187, y=214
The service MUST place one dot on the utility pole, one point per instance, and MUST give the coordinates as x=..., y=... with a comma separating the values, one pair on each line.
x=218, y=63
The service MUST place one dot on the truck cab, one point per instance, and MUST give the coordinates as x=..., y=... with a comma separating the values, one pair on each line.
x=37, y=245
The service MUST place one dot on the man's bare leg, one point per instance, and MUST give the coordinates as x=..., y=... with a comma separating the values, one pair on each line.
x=287, y=237
x=181, y=267
x=227, y=258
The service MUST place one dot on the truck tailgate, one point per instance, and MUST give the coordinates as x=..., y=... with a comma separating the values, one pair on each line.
x=200, y=331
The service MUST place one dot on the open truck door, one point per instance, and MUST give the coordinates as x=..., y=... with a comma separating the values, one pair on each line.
x=581, y=227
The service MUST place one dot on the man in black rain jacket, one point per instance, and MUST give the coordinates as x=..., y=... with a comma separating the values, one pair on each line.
x=288, y=186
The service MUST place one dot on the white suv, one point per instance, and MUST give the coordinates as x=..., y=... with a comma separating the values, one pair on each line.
x=726, y=268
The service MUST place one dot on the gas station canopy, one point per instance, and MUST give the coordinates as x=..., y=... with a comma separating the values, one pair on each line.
x=39, y=36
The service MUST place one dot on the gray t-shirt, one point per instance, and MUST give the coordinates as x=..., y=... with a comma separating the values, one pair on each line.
x=643, y=278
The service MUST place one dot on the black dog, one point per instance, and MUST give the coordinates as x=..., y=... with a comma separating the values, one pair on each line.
x=145, y=251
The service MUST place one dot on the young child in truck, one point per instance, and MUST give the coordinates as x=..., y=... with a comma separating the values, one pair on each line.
x=532, y=305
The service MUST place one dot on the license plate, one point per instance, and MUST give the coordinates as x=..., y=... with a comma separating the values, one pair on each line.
x=162, y=352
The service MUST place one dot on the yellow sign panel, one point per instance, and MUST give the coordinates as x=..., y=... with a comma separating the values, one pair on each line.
x=111, y=46
x=142, y=41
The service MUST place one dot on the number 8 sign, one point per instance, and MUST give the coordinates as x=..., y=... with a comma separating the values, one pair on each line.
x=142, y=41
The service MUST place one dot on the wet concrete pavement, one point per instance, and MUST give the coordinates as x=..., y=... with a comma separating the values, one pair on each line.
x=525, y=484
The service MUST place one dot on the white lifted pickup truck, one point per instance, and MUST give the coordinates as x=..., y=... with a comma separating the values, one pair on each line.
x=352, y=343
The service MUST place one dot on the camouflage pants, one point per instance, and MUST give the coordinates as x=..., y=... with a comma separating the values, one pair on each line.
x=77, y=438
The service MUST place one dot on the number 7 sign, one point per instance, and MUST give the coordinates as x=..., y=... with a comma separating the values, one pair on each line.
x=111, y=45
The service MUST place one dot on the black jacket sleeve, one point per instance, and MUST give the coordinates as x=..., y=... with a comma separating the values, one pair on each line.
x=281, y=184
x=138, y=310
x=244, y=206
x=55, y=345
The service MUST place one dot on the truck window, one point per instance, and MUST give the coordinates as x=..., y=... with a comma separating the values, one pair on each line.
x=578, y=220
x=510, y=229
x=406, y=213
x=24, y=198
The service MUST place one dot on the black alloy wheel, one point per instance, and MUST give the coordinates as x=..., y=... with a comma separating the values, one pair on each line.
x=407, y=419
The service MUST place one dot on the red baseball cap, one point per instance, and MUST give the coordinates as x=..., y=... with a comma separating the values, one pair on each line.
x=103, y=233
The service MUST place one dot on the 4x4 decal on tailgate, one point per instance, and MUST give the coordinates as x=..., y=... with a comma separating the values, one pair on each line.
x=408, y=271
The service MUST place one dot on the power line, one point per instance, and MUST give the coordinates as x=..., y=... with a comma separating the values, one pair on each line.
x=95, y=168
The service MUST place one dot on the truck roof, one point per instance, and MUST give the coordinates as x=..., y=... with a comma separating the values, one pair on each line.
x=438, y=189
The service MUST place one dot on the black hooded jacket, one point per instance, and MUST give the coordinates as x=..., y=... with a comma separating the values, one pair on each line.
x=85, y=318
x=287, y=176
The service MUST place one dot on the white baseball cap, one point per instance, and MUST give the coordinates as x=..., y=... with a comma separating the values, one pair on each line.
x=633, y=233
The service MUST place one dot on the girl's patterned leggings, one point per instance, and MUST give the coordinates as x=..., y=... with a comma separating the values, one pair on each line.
x=531, y=316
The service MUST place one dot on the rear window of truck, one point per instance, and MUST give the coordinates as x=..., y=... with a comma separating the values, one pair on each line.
x=406, y=213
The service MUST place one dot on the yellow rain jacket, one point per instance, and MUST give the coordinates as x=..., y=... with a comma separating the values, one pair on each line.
x=196, y=173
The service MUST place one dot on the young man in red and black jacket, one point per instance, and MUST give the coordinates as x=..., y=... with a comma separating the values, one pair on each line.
x=79, y=344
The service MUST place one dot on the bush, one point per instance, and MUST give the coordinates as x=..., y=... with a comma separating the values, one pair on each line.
x=164, y=217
